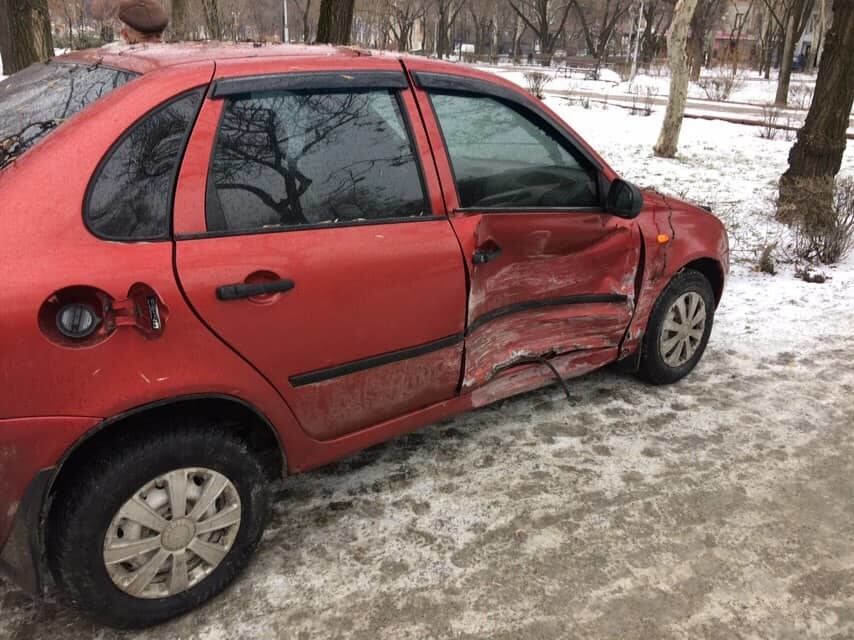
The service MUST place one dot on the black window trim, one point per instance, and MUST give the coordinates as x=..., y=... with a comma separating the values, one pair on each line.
x=332, y=81
x=201, y=235
x=173, y=184
x=367, y=76
x=88, y=65
x=463, y=85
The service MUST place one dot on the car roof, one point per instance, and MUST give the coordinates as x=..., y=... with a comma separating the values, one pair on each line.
x=143, y=58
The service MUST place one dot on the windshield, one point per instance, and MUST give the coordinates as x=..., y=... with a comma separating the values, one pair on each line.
x=42, y=96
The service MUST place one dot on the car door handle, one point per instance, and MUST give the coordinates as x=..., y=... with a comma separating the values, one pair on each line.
x=252, y=289
x=482, y=256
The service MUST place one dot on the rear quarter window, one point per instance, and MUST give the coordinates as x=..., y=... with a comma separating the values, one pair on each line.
x=130, y=196
x=36, y=100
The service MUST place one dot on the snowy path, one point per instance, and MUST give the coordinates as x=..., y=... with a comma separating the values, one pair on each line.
x=727, y=111
x=720, y=507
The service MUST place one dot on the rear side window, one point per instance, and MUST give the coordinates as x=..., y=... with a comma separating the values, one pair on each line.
x=38, y=99
x=503, y=158
x=297, y=158
x=130, y=197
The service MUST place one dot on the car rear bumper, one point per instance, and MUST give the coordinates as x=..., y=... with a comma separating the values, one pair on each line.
x=30, y=450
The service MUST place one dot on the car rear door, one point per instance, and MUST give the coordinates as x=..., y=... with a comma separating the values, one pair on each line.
x=312, y=238
x=551, y=273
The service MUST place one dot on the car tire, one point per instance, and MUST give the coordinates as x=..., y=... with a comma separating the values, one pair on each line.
x=107, y=506
x=679, y=329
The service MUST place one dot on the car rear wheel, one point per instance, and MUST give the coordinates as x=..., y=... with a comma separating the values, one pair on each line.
x=151, y=530
x=679, y=329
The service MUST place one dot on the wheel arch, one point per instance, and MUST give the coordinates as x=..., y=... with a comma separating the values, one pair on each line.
x=28, y=560
x=713, y=271
x=248, y=422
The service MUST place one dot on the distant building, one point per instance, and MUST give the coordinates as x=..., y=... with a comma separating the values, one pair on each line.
x=741, y=29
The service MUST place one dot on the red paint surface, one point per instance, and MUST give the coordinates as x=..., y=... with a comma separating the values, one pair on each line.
x=360, y=291
x=26, y=446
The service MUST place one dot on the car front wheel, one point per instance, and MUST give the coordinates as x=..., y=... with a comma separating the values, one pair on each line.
x=679, y=328
x=151, y=530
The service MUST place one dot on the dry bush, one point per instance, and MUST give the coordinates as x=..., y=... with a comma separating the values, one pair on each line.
x=537, y=82
x=770, y=121
x=823, y=233
x=635, y=92
x=800, y=95
x=648, y=97
x=766, y=263
x=642, y=99
x=721, y=84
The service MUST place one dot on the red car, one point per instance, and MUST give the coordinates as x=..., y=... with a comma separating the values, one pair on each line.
x=222, y=264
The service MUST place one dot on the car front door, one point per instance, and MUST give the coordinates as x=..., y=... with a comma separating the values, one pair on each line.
x=312, y=238
x=551, y=273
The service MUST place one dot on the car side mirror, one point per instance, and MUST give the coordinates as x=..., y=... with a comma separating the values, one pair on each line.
x=624, y=199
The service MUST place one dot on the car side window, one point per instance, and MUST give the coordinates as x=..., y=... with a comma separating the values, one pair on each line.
x=296, y=158
x=502, y=158
x=130, y=197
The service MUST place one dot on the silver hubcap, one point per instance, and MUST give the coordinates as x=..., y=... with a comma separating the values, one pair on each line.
x=683, y=329
x=172, y=533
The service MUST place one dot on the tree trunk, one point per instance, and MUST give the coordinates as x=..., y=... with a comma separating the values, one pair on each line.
x=335, y=21
x=514, y=55
x=817, y=153
x=668, y=140
x=799, y=15
x=25, y=35
x=213, y=24
x=179, y=20
x=442, y=28
x=696, y=48
x=783, y=81
x=306, y=28
x=820, y=30
x=637, y=44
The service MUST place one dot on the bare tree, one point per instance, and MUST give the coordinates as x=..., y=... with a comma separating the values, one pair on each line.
x=335, y=21
x=817, y=153
x=735, y=34
x=668, y=140
x=402, y=16
x=213, y=20
x=546, y=18
x=484, y=17
x=178, y=23
x=599, y=21
x=304, y=12
x=25, y=35
x=104, y=13
x=791, y=17
x=819, y=29
x=706, y=17
x=446, y=15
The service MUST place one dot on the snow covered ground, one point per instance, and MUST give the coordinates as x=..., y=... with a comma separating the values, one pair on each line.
x=719, y=507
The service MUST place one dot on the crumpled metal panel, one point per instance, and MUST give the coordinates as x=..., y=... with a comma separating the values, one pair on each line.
x=552, y=278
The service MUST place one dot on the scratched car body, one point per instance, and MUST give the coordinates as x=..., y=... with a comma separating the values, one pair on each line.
x=222, y=264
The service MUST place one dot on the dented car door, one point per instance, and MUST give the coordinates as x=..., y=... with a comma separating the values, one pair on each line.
x=550, y=272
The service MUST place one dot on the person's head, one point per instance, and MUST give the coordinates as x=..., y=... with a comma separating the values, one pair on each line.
x=144, y=20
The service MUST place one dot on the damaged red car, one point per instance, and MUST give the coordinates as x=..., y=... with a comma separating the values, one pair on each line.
x=223, y=264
